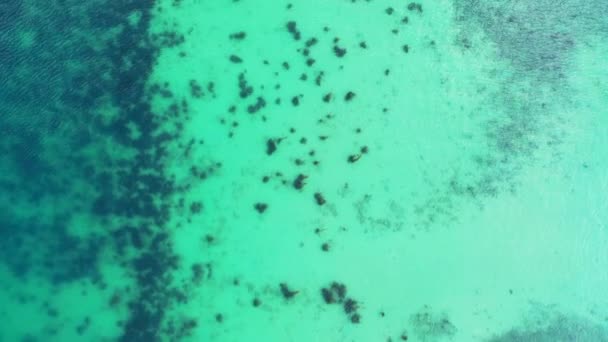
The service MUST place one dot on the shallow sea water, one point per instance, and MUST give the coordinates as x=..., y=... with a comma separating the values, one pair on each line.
x=315, y=170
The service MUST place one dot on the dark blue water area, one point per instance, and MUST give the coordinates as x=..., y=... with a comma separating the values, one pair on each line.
x=45, y=124
x=61, y=63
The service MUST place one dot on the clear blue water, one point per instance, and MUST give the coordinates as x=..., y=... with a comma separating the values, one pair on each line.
x=303, y=171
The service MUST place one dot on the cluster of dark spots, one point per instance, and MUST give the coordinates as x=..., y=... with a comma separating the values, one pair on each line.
x=319, y=78
x=156, y=296
x=311, y=42
x=327, y=117
x=203, y=173
x=196, y=207
x=152, y=274
x=181, y=329
x=286, y=292
x=339, y=289
x=389, y=10
x=115, y=299
x=271, y=145
x=405, y=48
x=260, y=207
x=83, y=326
x=328, y=296
x=308, y=46
x=186, y=327
x=349, y=96
x=219, y=318
x=414, y=6
x=168, y=39
x=209, y=239
x=256, y=302
x=293, y=30
x=50, y=311
x=162, y=90
x=257, y=106
x=238, y=35
x=319, y=198
x=129, y=236
x=235, y=59
x=244, y=88
x=338, y=51
x=336, y=294
x=211, y=88
x=363, y=45
x=299, y=182
x=327, y=97
x=350, y=306
x=198, y=273
x=188, y=147
x=295, y=101
x=353, y=158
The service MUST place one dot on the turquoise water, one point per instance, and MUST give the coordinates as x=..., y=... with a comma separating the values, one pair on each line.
x=303, y=171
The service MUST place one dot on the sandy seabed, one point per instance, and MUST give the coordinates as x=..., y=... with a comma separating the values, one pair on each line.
x=303, y=171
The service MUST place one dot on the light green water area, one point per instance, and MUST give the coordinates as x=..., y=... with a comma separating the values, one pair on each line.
x=362, y=171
